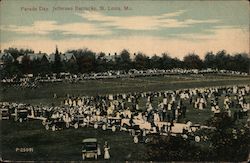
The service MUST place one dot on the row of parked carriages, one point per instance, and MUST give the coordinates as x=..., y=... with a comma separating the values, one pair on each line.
x=140, y=130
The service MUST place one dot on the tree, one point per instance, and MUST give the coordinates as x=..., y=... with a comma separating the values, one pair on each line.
x=230, y=141
x=16, y=52
x=101, y=56
x=26, y=65
x=10, y=70
x=167, y=61
x=177, y=63
x=221, y=59
x=155, y=62
x=141, y=61
x=86, y=60
x=240, y=62
x=101, y=63
x=57, y=65
x=210, y=60
x=71, y=67
x=193, y=61
x=125, y=60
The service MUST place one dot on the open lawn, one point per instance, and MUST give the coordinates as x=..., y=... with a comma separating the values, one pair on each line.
x=44, y=93
x=64, y=144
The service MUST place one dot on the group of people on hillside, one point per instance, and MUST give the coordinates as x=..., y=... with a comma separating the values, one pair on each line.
x=151, y=107
x=32, y=81
x=166, y=106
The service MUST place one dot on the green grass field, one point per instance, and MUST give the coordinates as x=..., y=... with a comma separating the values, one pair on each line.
x=44, y=94
x=66, y=144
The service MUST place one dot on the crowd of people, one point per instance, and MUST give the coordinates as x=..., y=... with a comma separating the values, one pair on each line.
x=30, y=80
x=151, y=111
x=172, y=106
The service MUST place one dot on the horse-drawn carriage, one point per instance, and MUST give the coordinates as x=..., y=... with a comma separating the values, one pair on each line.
x=77, y=120
x=4, y=114
x=90, y=148
x=21, y=114
x=112, y=123
x=132, y=125
x=54, y=124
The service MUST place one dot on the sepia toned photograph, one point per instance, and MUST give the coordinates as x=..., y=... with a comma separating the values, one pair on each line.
x=124, y=81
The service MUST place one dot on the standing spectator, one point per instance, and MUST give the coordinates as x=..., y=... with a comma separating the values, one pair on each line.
x=98, y=150
x=106, y=151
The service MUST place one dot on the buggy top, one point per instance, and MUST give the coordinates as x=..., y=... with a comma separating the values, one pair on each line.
x=89, y=140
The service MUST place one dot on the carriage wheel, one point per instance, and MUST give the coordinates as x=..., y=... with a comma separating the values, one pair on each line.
x=20, y=120
x=47, y=127
x=76, y=125
x=53, y=128
x=67, y=125
x=84, y=124
x=147, y=140
x=136, y=140
x=95, y=125
x=104, y=127
x=44, y=122
x=197, y=139
x=113, y=128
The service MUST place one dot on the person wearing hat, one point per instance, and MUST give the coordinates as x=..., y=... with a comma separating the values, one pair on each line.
x=106, y=151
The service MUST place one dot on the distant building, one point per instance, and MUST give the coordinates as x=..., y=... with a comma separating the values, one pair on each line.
x=113, y=57
x=33, y=57
x=19, y=59
x=66, y=57
x=133, y=57
x=45, y=59
x=6, y=58
x=69, y=57
x=52, y=57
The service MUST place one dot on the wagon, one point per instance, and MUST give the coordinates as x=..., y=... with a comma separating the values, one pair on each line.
x=4, y=114
x=96, y=121
x=21, y=115
x=90, y=148
x=128, y=124
x=137, y=134
x=112, y=123
x=77, y=121
x=54, y=124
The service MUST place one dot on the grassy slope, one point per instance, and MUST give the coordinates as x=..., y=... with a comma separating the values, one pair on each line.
x=64, y=144
x=45, y=92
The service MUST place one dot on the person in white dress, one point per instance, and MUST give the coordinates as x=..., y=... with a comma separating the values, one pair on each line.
x=98, y=150
x=106, y=151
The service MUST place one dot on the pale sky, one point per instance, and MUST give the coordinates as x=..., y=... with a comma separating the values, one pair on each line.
x=151, y=27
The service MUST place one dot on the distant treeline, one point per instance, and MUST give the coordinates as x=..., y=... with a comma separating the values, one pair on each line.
x=86, y=61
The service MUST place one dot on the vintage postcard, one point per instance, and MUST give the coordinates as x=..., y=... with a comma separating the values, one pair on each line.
x=124, y=81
